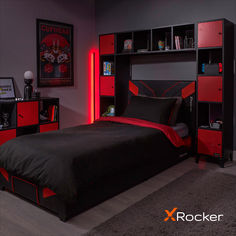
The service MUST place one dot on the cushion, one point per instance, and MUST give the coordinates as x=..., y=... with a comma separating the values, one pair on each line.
x=150, y=109
x=175, y=111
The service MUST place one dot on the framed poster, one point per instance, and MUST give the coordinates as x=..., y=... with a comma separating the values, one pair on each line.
x=54, y=54
x=7, y=89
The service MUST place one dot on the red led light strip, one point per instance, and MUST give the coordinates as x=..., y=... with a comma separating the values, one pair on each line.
x=94, y=97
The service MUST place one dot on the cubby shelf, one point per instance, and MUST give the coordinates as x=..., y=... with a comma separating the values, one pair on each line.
x=25, y=117
x=210, y=45
x=215, y=89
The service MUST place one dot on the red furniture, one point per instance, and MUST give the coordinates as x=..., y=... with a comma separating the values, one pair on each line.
x=7, y=135
x=107, y=85
x=107, y=44
x=27, y=113
x=24, y=117
x=210, y=88
x=215, y=90
x=210, y=142
x=49, y=127
x=210, y=34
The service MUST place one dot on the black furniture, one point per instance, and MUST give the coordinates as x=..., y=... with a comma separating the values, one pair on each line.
x=28, y=117
x=204, y=51
x=123, y=156
x=215, y=53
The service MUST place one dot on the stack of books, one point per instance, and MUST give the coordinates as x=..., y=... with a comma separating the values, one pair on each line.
x=178, y=42
x=52, y=113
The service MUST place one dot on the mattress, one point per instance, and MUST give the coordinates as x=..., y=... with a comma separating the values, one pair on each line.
x=181, y=129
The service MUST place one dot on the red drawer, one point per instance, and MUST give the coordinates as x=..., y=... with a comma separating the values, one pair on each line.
x=7, y=135
x=210, y=142
x=107, y=44
x=48, y=127
x=107, y=86
x=210, y=34
x=210, y=88
x=27, y=113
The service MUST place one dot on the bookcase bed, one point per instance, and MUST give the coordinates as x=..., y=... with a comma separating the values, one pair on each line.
x=153, y=158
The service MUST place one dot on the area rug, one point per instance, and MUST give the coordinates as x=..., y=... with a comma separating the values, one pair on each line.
x=193, y=193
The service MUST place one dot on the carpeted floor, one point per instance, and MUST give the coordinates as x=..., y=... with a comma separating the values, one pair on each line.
x=195, y=192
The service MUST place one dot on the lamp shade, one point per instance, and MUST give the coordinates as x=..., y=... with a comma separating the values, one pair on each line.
x=28, y=75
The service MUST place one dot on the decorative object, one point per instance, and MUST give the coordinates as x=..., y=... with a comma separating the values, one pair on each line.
x=5, y=117
x=110, y=111
x=128, y=45
x=54, y=54
x=167, y=40
x=7, y=89
x=36, y=94
x=161, y=45
x=28, y=90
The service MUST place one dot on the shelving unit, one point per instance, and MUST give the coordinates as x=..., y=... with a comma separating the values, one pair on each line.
x=144, y=42
x=210, y=44
x=215, y=90
x=25, y=117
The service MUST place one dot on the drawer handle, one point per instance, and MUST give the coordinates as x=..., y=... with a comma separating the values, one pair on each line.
x=21, y=116
x=220, y=33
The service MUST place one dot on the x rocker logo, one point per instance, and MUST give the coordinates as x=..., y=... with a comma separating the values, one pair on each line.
x=170, y=215
x=181, y=216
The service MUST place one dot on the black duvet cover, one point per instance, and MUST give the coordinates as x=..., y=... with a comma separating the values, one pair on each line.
x=68, y=160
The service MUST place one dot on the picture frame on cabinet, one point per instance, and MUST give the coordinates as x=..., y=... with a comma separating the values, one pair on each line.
x=7, y=88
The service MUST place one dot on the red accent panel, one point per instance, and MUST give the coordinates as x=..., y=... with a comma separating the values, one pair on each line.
x=7, y=135
x=48, y=193
x=27, y=113
x=188, y=141
x=210, y=88
x=168, y=89
x=210, y=34
x=210, y=142
x=107, y=44
x=188, y=90
x=107, y=85
x=48, y=127
x=220, y=67
x=166, y=130
x=35, y=186
x=133, y=88
x=4, y=174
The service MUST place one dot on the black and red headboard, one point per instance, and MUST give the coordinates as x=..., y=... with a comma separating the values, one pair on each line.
x=170, y=88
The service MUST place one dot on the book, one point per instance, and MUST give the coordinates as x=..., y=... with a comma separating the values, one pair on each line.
x=107, y=68
x=52, y=113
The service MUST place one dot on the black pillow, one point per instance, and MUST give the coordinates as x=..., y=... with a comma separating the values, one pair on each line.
x=150, y=109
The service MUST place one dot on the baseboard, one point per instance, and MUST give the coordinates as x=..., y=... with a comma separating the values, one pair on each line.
x=234, y=155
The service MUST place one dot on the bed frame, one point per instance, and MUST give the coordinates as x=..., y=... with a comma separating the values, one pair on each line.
x=108, y=187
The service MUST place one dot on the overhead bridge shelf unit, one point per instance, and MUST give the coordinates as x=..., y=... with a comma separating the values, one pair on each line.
x=202, y=52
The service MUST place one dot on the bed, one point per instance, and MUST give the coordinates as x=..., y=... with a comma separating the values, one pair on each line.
x=70, y=170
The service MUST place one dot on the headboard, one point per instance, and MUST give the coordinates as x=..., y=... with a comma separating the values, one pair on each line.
x=170, y=88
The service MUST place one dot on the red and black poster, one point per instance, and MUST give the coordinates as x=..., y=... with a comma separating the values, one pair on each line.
x=54, y=54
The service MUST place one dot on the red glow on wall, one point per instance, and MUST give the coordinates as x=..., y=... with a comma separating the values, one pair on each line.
x=94, y=97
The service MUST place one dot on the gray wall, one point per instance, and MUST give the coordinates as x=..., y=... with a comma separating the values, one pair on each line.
x=18, y=48
x=122, y=15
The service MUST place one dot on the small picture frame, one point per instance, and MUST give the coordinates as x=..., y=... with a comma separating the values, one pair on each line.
x=7, y=89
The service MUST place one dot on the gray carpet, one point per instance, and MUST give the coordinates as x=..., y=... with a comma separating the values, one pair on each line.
x=195, y=192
